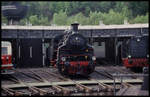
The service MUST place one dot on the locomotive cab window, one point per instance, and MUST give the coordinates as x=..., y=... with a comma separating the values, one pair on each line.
x=4, y=50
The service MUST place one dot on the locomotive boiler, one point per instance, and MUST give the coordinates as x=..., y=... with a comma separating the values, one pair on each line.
x=73, y=55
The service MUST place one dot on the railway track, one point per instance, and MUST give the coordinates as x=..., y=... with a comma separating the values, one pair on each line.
x=44, y=81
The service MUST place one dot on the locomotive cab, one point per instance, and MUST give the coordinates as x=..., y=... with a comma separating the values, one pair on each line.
x=6, y=58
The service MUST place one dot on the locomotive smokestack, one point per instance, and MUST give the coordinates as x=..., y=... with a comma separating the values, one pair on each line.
x=74, y=27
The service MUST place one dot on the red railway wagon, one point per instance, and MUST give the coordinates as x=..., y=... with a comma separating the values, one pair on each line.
x=6, y=58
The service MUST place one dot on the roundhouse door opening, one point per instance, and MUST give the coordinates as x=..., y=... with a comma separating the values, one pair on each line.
x=30, y=53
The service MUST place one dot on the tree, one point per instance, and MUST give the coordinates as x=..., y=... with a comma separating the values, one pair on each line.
x=113, y=18
x=60, y=18
x=95, y=17
x=138, y=7
x=126, y=13
x=34, y=20
x=23, y=21
x=80, y=18
x=140, y=19
x=4, y=20
x=119, y=6
x=44, y=21
x=41, y=13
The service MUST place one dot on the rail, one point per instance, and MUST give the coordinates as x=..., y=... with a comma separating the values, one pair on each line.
x=124, y=75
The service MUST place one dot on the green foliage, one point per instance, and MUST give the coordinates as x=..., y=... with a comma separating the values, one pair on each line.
x=138, y=7
x=126, y=12
x=95, y=17
x=86, y=13
x=119, y=6
x=44, y=21
x=140, y=19
x=80, y=18
x=113, y=18
x=60, y=18
x=34, y=20
x=104, y=6
x=4, y=20
x=23, y=21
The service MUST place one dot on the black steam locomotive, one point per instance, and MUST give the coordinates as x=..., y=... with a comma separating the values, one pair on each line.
x=135, y=53
x=72, y=53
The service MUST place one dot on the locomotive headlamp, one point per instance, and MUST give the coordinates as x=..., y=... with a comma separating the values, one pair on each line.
x=138, y=40
x=77, y=38
x=129, y=56
x=93, y=58
x=2, y=57
x=63, y=59
x=86, y=57
x=148, y=56
x=87, y=50
x=7, y=57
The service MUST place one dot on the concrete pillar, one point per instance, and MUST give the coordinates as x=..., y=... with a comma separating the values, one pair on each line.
x=101, y=23
x=10, y=22
x=51, y=49
x=43, y=53
x=116, y=50
x=126, y=22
